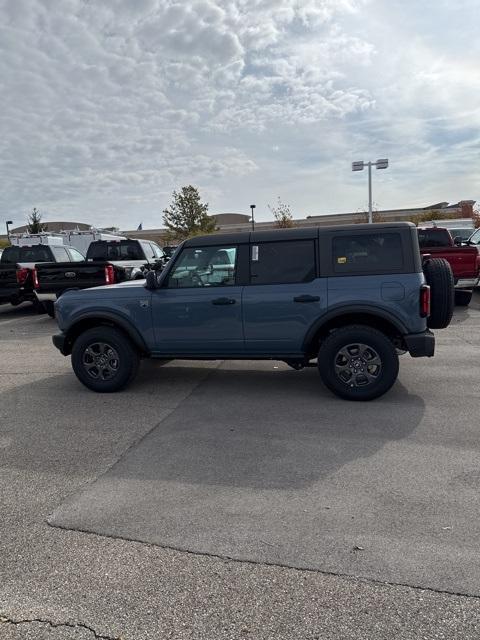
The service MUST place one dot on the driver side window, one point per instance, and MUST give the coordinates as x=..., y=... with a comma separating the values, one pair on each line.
x=204, y=267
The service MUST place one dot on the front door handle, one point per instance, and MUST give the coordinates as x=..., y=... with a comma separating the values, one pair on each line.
x=223, y=301
x=307, y=298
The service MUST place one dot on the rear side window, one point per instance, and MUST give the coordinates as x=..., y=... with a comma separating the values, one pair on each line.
x=368, y=252
x=433, y=238
x=282, y=262
x=148, y=250
x=60, y=254
x=75, y=255
x=157, y=252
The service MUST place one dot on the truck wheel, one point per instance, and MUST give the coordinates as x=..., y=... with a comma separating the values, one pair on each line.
x=439, y=276
x=49, y=308
x=39, y=307
x=462, y=297
x=358, y=363
x=104, y=359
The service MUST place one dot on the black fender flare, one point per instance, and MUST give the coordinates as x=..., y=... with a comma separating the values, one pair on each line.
x=345, y=310
x=119, y=321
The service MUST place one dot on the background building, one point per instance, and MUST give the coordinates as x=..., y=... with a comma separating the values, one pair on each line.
x=231, y=222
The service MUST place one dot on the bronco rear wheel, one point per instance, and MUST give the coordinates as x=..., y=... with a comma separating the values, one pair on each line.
x=358, y=363
x=104, y=359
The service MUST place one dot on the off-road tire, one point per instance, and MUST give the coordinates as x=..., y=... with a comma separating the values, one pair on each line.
x=377, y=343
x=127, y=359
x=439, y=277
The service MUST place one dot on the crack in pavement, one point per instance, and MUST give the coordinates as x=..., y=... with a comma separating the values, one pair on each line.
x=57, y=625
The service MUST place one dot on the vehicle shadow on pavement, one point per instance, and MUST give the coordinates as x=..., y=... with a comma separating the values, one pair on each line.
x=25, y=309
x=236, y=426
x=267, y=429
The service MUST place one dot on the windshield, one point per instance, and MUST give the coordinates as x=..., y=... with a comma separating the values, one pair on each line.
x=475, y=238
x=463, y=233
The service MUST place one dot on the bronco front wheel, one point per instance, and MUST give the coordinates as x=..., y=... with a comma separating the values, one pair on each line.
x=104, y=359
x=358, y=363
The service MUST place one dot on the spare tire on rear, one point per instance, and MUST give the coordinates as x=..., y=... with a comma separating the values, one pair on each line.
x=439, y=276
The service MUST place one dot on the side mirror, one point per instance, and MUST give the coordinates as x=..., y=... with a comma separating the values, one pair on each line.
x=151, y=280
x=158, y=264
x=457, y=240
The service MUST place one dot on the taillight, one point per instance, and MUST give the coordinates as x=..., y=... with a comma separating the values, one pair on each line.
x=425, y=301
x=109, y=274
x=22, y=275
x=36, y=283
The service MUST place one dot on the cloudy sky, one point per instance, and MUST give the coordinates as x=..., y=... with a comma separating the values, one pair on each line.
x=109, y=105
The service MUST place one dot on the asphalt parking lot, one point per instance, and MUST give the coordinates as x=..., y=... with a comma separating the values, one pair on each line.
x=237, y=500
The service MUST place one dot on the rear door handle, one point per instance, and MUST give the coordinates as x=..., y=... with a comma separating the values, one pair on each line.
x=223, y=301
x=307, y=298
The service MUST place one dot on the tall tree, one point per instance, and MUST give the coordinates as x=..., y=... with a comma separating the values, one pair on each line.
x=187, y=215
x=282, y=214
x=35, y=222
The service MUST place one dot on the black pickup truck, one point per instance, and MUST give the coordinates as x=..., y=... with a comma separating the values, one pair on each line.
x=16, y=269
x=107, y=262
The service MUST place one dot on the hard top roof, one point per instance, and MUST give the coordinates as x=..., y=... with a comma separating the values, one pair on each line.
x=297, y=233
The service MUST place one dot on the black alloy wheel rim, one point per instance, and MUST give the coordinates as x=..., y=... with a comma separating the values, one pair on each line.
x=358, y=365
x=100, y=361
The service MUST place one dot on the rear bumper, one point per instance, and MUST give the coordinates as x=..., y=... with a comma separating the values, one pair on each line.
x=420, y=344
x=44, y=297
x=16, y=295
x=466, y=283
x=59, y=340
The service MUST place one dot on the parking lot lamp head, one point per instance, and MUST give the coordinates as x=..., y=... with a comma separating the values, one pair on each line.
x=382, y=163
x=252, y=207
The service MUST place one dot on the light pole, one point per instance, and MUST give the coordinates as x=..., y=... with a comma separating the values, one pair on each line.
x=252, y=207
x=359, y=166
x=8, y=230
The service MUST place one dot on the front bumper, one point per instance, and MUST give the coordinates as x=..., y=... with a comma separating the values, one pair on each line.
x=420, y=344
x=60, y=341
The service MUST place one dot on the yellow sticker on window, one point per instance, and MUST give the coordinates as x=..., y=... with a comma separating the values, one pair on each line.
x=342, y=260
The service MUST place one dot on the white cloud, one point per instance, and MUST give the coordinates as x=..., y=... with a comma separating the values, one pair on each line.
x=109, y=105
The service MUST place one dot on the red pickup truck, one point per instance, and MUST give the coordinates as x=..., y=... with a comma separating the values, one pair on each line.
x=464, y=260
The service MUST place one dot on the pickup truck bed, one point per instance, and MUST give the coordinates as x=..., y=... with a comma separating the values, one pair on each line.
x=464, y=263
x=107, y=262
x=464, y=260
x=52, y=279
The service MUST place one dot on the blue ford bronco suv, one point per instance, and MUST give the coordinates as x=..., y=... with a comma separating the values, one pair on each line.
x=348, y=299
